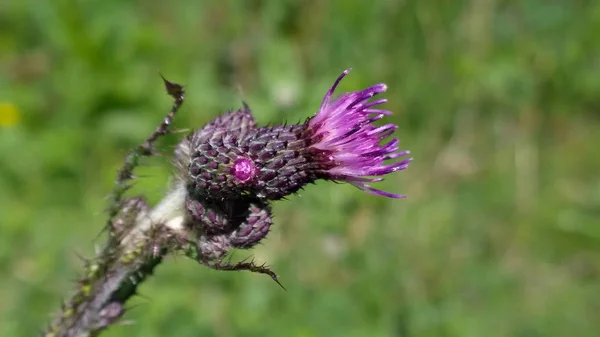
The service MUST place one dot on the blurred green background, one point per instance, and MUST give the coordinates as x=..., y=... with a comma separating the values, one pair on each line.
x=497, y=100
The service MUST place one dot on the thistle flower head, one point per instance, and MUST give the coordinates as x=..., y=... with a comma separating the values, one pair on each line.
x=231, y=157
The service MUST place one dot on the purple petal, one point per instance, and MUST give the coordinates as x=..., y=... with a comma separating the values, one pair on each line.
x=332, y=89
x=396, y=155
x=374, y=191
x=344, y=128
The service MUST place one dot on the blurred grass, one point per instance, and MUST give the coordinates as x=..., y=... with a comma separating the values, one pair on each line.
x=498, y=101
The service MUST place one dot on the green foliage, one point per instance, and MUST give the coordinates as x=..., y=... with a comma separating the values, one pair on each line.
x=498, y=101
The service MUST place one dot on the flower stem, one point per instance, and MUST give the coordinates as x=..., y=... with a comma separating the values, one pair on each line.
x=109, y=281
x=138, y=240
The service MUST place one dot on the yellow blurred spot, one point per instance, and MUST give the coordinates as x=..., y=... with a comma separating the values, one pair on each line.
x=9, y=114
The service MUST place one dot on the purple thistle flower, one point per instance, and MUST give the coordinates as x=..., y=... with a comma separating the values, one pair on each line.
x=232, y=158
x=344, y=129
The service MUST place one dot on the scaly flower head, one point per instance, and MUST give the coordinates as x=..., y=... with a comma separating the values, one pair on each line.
x=231, y=157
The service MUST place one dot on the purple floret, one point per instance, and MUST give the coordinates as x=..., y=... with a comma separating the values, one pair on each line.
x=344, y=128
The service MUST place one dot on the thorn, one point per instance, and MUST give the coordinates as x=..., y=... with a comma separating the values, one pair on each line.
x=82, y=259
x=246, y=107
x=133, y=306
x=177, y=131
x=127, y=175
x=173, y=89
x=127, y=322
x=274, y=277
x=138, y=176
x=144, y=297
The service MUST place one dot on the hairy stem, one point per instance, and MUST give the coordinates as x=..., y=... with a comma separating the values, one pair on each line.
x=145, y=237
x=138, y=241
x=113, y=277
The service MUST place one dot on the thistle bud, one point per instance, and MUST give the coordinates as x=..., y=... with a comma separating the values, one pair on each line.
x=221, y=232
x=214, y=246
x=214, y=217
x=254, y=228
